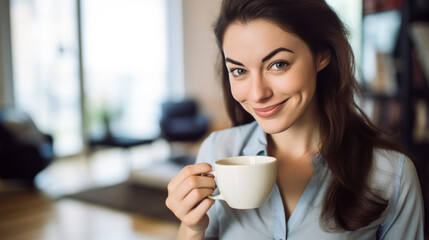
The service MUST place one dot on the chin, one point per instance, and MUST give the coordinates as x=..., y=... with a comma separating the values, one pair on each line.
x=273, y=131
x=272, y=127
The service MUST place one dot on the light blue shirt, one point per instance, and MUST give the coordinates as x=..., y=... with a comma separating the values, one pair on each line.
x=393, y=177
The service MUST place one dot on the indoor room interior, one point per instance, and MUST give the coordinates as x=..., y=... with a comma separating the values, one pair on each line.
x=103, y=102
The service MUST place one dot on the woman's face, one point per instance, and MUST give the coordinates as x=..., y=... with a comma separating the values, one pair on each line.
x=272, y=74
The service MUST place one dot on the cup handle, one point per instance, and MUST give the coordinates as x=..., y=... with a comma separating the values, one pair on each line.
x=214, y=197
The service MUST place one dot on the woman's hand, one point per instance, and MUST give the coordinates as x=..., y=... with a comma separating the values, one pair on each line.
x=187, y=196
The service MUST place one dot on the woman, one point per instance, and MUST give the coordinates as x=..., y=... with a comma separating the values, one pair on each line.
x=288, y=65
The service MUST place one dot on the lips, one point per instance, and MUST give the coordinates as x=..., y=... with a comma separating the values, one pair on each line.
x=269, y=111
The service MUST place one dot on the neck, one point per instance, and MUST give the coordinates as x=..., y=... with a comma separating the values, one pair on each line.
x=300, y=140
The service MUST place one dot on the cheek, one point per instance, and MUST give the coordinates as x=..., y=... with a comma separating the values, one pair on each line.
x=297, y=82
x=289, y=84
x=238, y=91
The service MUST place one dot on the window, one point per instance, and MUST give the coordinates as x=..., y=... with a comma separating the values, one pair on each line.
x=350, y=12
x=124, y=64
x=46, y=83
x=125, y=52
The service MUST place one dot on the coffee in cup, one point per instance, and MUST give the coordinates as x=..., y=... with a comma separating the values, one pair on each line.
x=245, y=182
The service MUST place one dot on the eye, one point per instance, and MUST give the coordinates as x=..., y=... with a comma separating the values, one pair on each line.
x=237, y=71
x=279, y=65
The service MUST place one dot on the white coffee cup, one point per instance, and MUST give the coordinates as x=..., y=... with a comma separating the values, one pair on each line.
x=245, y=182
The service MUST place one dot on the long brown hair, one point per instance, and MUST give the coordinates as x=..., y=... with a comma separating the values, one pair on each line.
x=348, y=137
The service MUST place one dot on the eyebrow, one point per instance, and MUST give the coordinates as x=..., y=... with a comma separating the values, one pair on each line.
x=233, y=62
x=274, y=52
x=270, y=55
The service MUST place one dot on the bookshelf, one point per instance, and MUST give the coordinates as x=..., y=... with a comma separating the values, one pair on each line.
x=395, y=76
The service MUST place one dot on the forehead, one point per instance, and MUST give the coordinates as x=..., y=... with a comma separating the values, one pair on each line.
x=257, y=38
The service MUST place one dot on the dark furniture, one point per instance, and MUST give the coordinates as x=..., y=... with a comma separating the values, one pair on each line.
x=24, y=150
x=182, y=121
x=117, y=141
x=125, y=143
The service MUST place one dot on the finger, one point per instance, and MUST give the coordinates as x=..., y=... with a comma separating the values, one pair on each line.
x=192, y=201
x=190, y=184
x=196, y=216
x=196, y=169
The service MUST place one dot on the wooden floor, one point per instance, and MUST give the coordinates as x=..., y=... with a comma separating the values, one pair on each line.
x=39, y=215
x=34, y=216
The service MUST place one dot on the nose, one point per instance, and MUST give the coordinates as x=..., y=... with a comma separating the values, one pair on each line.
x=261, y=91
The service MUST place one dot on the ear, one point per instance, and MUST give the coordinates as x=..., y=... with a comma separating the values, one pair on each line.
x=323, y=60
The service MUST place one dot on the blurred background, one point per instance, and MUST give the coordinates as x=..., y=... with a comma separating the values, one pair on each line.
x=103, y=102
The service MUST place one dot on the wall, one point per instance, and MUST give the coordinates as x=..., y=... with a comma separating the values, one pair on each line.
x=6, y=84
x=202, y=79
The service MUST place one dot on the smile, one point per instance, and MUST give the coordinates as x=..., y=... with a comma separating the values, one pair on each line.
x=269, y=111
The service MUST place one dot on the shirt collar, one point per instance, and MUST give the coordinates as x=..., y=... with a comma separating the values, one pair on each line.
x=318, y=160
x=257, y=143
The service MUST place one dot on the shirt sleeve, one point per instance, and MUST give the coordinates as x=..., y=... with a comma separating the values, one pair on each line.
x=205, y=150
x=205, y=155
x=405, y=219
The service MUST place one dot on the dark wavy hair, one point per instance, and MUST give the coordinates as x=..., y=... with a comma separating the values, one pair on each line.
x=347, y=135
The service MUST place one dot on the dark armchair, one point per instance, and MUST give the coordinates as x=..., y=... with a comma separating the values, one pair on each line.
x=24, y=150
x=182, y=121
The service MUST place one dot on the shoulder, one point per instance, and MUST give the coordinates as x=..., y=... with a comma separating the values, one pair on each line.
x=395, y=178
x=388, y=165
x=391, y=171
x=388, y=162
x=239, y=132
x=225, y=143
